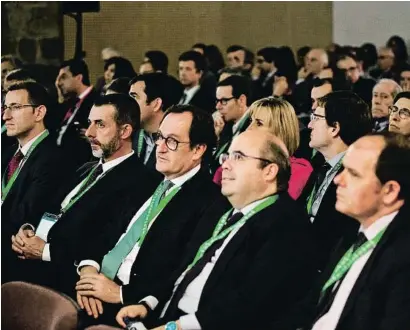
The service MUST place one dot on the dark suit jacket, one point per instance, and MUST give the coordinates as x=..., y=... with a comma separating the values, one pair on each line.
x=73, y=143
x=204, y=99
x=263, y=87
x=96, y=220
x=262, y=274
x=152, y=160
x=329, y=225
x=364, y=88
x=379, y=299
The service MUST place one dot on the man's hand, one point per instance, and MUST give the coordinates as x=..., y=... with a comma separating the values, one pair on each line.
x=28, y=245
x=131, y=312
x=92, y=305
x=280, y=86
x=303, y=73
x=219, y=124
x=100, y=287
x=326, y=74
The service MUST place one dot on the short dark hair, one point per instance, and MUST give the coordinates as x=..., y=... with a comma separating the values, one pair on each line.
x=77, y=67
x=234, y=48
x=37, y=93
x=270, y=150
x=402, y=95
x=318, y=82
x=123, y=67
x=160, y=85
x=158, y=60
x=394, y=161
x=345, y=56
x=350, y=111
x=19, y=75
x=249, y=57
x=202, y=128
x=240, y=86
x=199, y=45
x=119, y=85
x=198, y=59
x=269, y=54
x=127, y=109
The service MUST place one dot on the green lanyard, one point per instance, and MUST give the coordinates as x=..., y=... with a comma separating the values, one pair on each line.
x=77, y=197
x=349, y=259
x=239, y=128
x=140, y=142
x=316, y=191
x=6, y=187
x=217, y=234
x=3, y=128
x=152, y=213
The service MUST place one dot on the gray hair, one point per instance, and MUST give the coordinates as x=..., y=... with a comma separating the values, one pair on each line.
x=397, y=88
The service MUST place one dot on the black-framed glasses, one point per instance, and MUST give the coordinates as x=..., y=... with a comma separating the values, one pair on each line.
x=316, y=117
x=17, y=107
x=404, y=113
x=238, y=156
x=171, y=143
x=224, y=100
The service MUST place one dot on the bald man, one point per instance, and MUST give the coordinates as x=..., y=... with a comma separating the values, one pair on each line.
x=368, y=286
x=258, y=261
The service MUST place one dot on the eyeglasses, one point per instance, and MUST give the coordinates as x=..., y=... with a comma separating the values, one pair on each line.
x=351, y=69
x=224, y=100
x=403, y=112
x=260, y=60
x=316, y=117
x=17, y=107
x=238, y=156
x=170, y=142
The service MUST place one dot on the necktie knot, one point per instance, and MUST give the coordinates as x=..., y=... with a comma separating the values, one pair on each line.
x=165, y=186
x=360, y=240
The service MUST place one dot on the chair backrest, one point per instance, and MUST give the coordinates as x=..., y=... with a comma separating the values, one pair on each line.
x=102, y=327
x=27, y=306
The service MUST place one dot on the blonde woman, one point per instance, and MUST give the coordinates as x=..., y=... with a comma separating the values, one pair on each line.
x=280, y=118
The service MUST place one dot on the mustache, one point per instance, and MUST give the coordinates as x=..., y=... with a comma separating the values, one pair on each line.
x=94, y=141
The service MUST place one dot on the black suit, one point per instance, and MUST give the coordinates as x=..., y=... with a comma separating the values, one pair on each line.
x=33, y=192
x=204, y=99
x=262, y=273
x=72, y=143
x=329, y=225
x=379, y=299
x=263, y=87
x=152, y=159
x=95, y=221
x=172, y=236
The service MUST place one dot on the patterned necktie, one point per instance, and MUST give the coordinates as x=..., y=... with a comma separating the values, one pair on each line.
x=94, y=175
x=14, y=164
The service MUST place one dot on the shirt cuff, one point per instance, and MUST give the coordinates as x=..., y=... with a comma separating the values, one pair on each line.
x=151, y=301
x=46, y=253
x=189, y=322
x=84, y=263
x=122, y=300
x=23, y=227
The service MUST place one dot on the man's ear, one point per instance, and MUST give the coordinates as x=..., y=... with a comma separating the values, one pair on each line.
x=40, y=112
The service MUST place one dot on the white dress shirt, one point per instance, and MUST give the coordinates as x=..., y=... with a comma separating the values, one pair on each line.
x=235, y=127
x=189, y=94
x=149, y=141
x=124, y=272
x=190, y=300
x=28, y=145
x=105, y=166
x=330, y=320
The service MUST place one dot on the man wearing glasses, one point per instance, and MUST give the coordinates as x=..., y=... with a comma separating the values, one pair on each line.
x=151, y=251
x=339, y=120
x=257, y=261
x=400, y=114
x=231, y=117
x=34, y=169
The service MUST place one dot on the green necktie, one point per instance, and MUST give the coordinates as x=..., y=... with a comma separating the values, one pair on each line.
x=113, y=259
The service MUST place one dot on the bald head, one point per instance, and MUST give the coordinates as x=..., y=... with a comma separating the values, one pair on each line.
x=317, y=60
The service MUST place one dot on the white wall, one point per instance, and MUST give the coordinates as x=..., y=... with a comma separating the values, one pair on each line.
x=355, y=23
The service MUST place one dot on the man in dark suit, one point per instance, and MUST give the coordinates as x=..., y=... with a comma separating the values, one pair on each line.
x=259, y=259
x=266, y=58
x=340, y=119
x=231, y=118
x=190, y=69
x=154, y=92
x=73, y=83
x=33, y=169
x=360, y=85
x=143, y=258
x=384, y=93
x=367, y=286
x=92, y=212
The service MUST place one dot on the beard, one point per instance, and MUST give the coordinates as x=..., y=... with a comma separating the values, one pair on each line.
x=108, y=149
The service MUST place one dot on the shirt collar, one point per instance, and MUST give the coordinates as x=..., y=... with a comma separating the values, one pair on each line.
x=332, y=162
x=112, y=163
x=179, y=181
x=191, y=92
x=148, y=138
x=250, y=206
x=271, y=74
x=235, y=126
x=376, y=227
x=84, y=94
x=27, y=146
